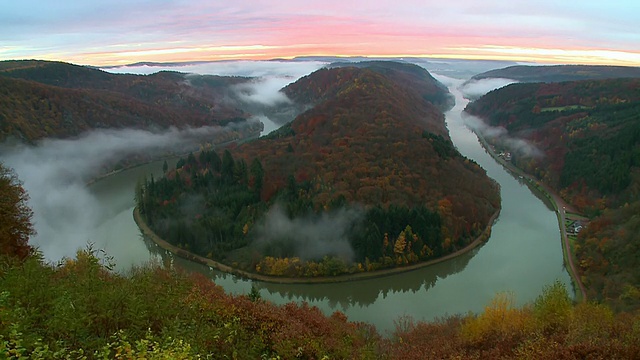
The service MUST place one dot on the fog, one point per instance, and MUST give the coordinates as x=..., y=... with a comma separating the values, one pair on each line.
x=474, y=89
x=308, y=238
x=293, y=69
x=264, y=91
x=516, y=145
x=260, y=96
x=55, y=174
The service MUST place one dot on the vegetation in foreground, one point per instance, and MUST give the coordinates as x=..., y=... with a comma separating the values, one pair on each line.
x=588, y=136
x=79, y=309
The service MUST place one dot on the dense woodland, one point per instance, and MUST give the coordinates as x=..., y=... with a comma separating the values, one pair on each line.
x=369, y=151
x=41, y=99
x=559, y=73
x=588, y=134
x=408, y=76
x=80, y=309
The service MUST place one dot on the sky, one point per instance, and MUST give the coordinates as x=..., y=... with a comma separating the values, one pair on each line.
x=118, y=32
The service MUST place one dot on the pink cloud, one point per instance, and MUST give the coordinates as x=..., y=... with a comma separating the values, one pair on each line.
x=143, y=30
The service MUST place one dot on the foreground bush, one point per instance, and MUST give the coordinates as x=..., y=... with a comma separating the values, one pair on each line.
x=81, y=310
x=550, y=328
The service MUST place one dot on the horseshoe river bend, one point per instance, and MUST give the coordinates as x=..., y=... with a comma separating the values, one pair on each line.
x=523, y=254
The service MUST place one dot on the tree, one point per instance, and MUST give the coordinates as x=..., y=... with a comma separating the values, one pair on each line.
x=257, y=173
x=165, y=167
x=227, y=165
x=15, y=215
x=400, y=244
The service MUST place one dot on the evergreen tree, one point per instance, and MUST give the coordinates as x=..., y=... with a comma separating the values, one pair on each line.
x=257, y=173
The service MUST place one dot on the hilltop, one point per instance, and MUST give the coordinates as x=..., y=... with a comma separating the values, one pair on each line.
x=371, y=160
x=409, y=77
x=583, y=139
x=40, y=99
x=559, y=73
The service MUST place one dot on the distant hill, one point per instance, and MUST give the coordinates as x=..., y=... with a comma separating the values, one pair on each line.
x=588, y=135
x=410, y=77
x=51, y=99
x=369, y=149
x=558, y=73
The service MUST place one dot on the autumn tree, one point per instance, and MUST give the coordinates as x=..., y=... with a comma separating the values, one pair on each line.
x=15, y=215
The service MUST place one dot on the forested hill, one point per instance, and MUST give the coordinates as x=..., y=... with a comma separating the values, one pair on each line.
x=558, y=73
x=366, y=131
x=370, y=158
x=418, y=89
x=410, y=77
x=588, y=135
x=51, y=99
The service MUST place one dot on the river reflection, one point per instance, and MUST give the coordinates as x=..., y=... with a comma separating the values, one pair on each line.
x=338, y=295
x=522, y=255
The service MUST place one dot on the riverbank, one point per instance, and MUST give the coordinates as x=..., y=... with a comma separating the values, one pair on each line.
x=560, y=207
x=195, y=152
x=146, y=230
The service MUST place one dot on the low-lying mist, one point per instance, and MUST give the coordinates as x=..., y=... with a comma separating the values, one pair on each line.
x=67, y=213
x=310, y=237
x=516, y=145
x=260, y=96
x=474, y=89
x=55, y=174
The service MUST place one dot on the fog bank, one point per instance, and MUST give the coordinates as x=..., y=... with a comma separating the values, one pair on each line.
x=474, y=89
x=311, y=237
x=55, y=174
x=518, y=146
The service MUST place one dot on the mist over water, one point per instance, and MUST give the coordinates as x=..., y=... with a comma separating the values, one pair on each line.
x=260, y=96
x=474, y=89
x=264, y=91
x=55, y=174
x=517, y=145
x=247, y=68
x=523, y=254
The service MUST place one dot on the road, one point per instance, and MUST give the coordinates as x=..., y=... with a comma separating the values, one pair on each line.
x=561, y=208
x=567, y=247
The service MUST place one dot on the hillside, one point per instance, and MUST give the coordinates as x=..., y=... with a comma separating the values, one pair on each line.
x=559, y=73
x=41, y=99
x=367, y=177
x=80, y=308
x=409, y=77
x=583, y=139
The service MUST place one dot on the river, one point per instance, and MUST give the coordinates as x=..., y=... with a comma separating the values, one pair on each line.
x=523, y=254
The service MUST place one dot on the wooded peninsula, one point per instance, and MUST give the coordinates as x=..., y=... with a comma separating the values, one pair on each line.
x=366, y=179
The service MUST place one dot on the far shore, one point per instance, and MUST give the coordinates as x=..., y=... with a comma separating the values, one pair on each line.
x=306, y=280
x=560, y=206
x=166, y=157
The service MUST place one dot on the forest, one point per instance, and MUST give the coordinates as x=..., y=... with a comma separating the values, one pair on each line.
x=560, y=73
x=588, y=137
x=41, y=99
x=81, y=309
x=368, y=155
